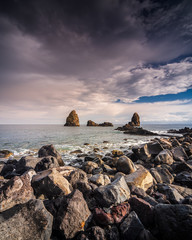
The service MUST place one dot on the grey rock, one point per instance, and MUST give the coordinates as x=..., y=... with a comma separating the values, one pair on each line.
x=179, y=154
x=125, y=165
x=46, y=163
x=162, y=175
x=26, y=221
x=165, y=157
x=114, y=193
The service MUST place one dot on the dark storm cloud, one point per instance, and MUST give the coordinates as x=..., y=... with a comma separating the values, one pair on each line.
x=74, y=52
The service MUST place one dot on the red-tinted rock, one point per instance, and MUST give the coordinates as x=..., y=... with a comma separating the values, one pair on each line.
x=102, y=217
x=120, y=211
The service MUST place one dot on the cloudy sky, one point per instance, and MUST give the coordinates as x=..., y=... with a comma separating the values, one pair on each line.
x=104, y=58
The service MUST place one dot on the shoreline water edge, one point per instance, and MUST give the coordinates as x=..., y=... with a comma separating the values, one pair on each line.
x=146, y=187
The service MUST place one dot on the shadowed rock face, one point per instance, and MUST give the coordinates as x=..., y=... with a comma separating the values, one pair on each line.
x=72, y=120
x=91, y=123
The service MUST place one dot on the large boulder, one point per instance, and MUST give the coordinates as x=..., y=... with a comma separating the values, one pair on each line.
x=162, y=175
x=18, y=190
x=141, y=178
x=164, y=157
x=179, y=154
x=184, y=191
x=72, y=120
x=131, y=227
x=51, y=184
x=173, y=222
x=26, y=221
x=114, y=193
x=100, y=179
x=125, y=165
x=46, y=163
x=73, y=215
x=49, y=150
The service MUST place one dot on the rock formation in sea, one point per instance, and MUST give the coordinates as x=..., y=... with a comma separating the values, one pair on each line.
x=135, y=120
x=72, y=120
x=91, y=123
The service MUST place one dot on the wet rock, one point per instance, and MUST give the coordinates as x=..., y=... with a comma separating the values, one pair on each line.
x=72, y=120
x=26, y=221
x=117, y=153
x=125, y=165
x=131, y=227
x=179, y=154
x=73, y=215
x=165, y=157
x=162, y=175
x=51, y=184
x=114, y=193
x=184, y=179
x=49, y=150
x=100, y=179
x=46, y=163
x=143, y=209
x=172, y=195
x=18, y=190
x=89, y=166
x=174, y=222
x=5, y=154
x=141, y=178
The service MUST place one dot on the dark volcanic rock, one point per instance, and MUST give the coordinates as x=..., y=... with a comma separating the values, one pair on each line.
x=72, y=120
x=26, y=221
x=184, y=178
x=131, y=227
x=181, y=131
x=46, y=163
x=174, y=222
x=93, y=233
x=106, y=124
x=140, y=131
x=49, y=150
x=73, y=215
x=16, y=191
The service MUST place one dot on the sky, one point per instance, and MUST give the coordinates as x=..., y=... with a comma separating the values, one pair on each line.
x=104, y=58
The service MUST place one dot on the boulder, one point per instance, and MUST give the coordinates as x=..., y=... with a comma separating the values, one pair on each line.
x=162, y=175
x=131, y=227
x=5, y=154
x=51, y=184
x=73, y=215
x=49, y=150
x=100, y=179
x=18, y=190
x=113, y=193
x=179, y=154
x=102, y=217
x=26, y=221
x=184, y=191
x=93, y=233
x=46, y=163
x=77, y=175
x=89, y=166
x=72, y=120
x=174, y=222
x=91, y=124
x=141, y=178
x=172, y=195
x=117, y=153
x=184, y=179
x=125, y=165
x=164, y=157
x=26, y=163
x=143, y=209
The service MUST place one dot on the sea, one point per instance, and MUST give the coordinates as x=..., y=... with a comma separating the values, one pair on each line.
x=27, y=139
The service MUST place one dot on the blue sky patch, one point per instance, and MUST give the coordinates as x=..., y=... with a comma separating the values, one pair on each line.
x=166, y=98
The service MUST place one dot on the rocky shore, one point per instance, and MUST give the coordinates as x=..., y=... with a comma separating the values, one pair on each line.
x=143, y=193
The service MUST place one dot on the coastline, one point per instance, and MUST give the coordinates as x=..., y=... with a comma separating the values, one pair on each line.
x=103, y=193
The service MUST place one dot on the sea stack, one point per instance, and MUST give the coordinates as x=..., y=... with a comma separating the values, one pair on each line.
x=72, y=120
x=135, y=120
x=90, y=123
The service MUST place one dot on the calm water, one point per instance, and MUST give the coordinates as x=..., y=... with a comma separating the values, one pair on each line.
x=24, y=138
